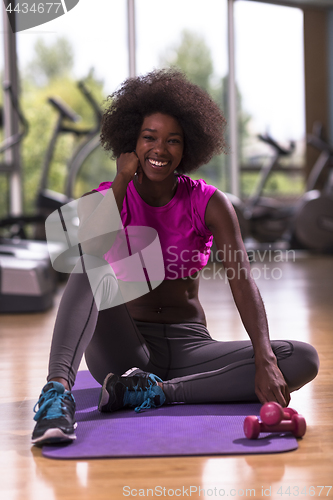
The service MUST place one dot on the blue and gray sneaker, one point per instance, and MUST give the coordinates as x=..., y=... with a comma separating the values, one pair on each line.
x=55, y=415
x=135, y=388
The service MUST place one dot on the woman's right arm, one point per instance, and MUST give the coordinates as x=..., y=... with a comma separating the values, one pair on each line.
x=100, y=215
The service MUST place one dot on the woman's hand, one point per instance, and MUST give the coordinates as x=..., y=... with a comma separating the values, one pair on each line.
x=129, y=164
x=270, y=384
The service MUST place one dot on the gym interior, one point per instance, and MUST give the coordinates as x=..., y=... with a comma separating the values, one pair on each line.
x=278, y=175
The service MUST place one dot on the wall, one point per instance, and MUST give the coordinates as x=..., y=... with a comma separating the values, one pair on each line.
x=330, y=73
x=316, y=75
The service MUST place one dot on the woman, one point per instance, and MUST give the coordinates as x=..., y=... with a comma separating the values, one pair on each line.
x=160, y=127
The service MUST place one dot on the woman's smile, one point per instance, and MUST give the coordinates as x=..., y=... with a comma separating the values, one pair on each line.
x=157, y=164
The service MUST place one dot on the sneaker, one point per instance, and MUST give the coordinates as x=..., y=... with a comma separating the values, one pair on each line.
x=135, y=388
x=55, y=416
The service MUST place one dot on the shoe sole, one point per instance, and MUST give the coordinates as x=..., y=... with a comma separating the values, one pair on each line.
x=104, y=395
x=52, y=436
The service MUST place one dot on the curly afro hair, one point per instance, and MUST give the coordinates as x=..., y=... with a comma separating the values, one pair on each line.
x=165, y=91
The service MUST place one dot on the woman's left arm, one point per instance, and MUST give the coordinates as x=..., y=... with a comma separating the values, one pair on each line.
x=221, y=219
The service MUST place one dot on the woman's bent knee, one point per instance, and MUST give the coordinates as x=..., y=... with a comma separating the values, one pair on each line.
x=302, y=366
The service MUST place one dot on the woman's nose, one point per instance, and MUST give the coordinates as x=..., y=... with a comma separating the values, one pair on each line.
x=159, y=146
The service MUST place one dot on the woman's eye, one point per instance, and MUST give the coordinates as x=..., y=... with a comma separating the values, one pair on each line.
x=148, y=137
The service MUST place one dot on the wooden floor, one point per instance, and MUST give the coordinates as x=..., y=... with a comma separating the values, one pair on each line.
x=298, y=293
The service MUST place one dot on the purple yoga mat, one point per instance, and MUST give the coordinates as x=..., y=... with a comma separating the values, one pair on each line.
x=171, y=430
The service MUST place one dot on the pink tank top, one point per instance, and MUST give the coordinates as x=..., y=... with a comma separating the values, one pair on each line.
x=184, y=237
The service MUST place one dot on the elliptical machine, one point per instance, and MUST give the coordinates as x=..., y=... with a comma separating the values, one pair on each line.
x=269, y=219
x=27, y=279
x=261, y=218
x=312, y=224
x=48, y=200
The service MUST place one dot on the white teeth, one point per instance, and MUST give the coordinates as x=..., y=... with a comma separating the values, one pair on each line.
x=158, y=163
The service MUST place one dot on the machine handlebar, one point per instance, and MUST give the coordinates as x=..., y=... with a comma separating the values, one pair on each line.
x=279, y=149
x=66, y=112
x=64, y=109
x=89, y=97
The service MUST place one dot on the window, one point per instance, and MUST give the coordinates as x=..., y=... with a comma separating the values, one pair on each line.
x=270, y=80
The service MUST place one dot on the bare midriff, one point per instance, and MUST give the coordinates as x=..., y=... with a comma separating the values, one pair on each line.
x=173, y=301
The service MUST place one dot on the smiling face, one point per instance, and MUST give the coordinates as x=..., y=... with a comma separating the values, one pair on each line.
x=160, y=146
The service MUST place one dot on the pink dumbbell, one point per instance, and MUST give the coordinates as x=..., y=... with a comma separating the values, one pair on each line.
x=272, y=413
x=253, y=427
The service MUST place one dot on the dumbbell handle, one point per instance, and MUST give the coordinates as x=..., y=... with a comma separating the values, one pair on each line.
x=283, y=426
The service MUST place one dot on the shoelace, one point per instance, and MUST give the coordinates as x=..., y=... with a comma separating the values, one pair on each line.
x=148, y=403
x=52, y=402
x=138, y=395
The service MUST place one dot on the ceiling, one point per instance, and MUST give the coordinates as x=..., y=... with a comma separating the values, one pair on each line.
x=302, y=3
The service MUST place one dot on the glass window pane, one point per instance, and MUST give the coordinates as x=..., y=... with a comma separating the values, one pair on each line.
x=97, y=44
x=192, y=35
x=270, y=80
x=97, y=34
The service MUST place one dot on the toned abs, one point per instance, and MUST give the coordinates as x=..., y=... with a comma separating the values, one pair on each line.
x=173, y=301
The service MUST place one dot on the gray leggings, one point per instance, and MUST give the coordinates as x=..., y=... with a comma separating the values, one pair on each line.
x=194, y=367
